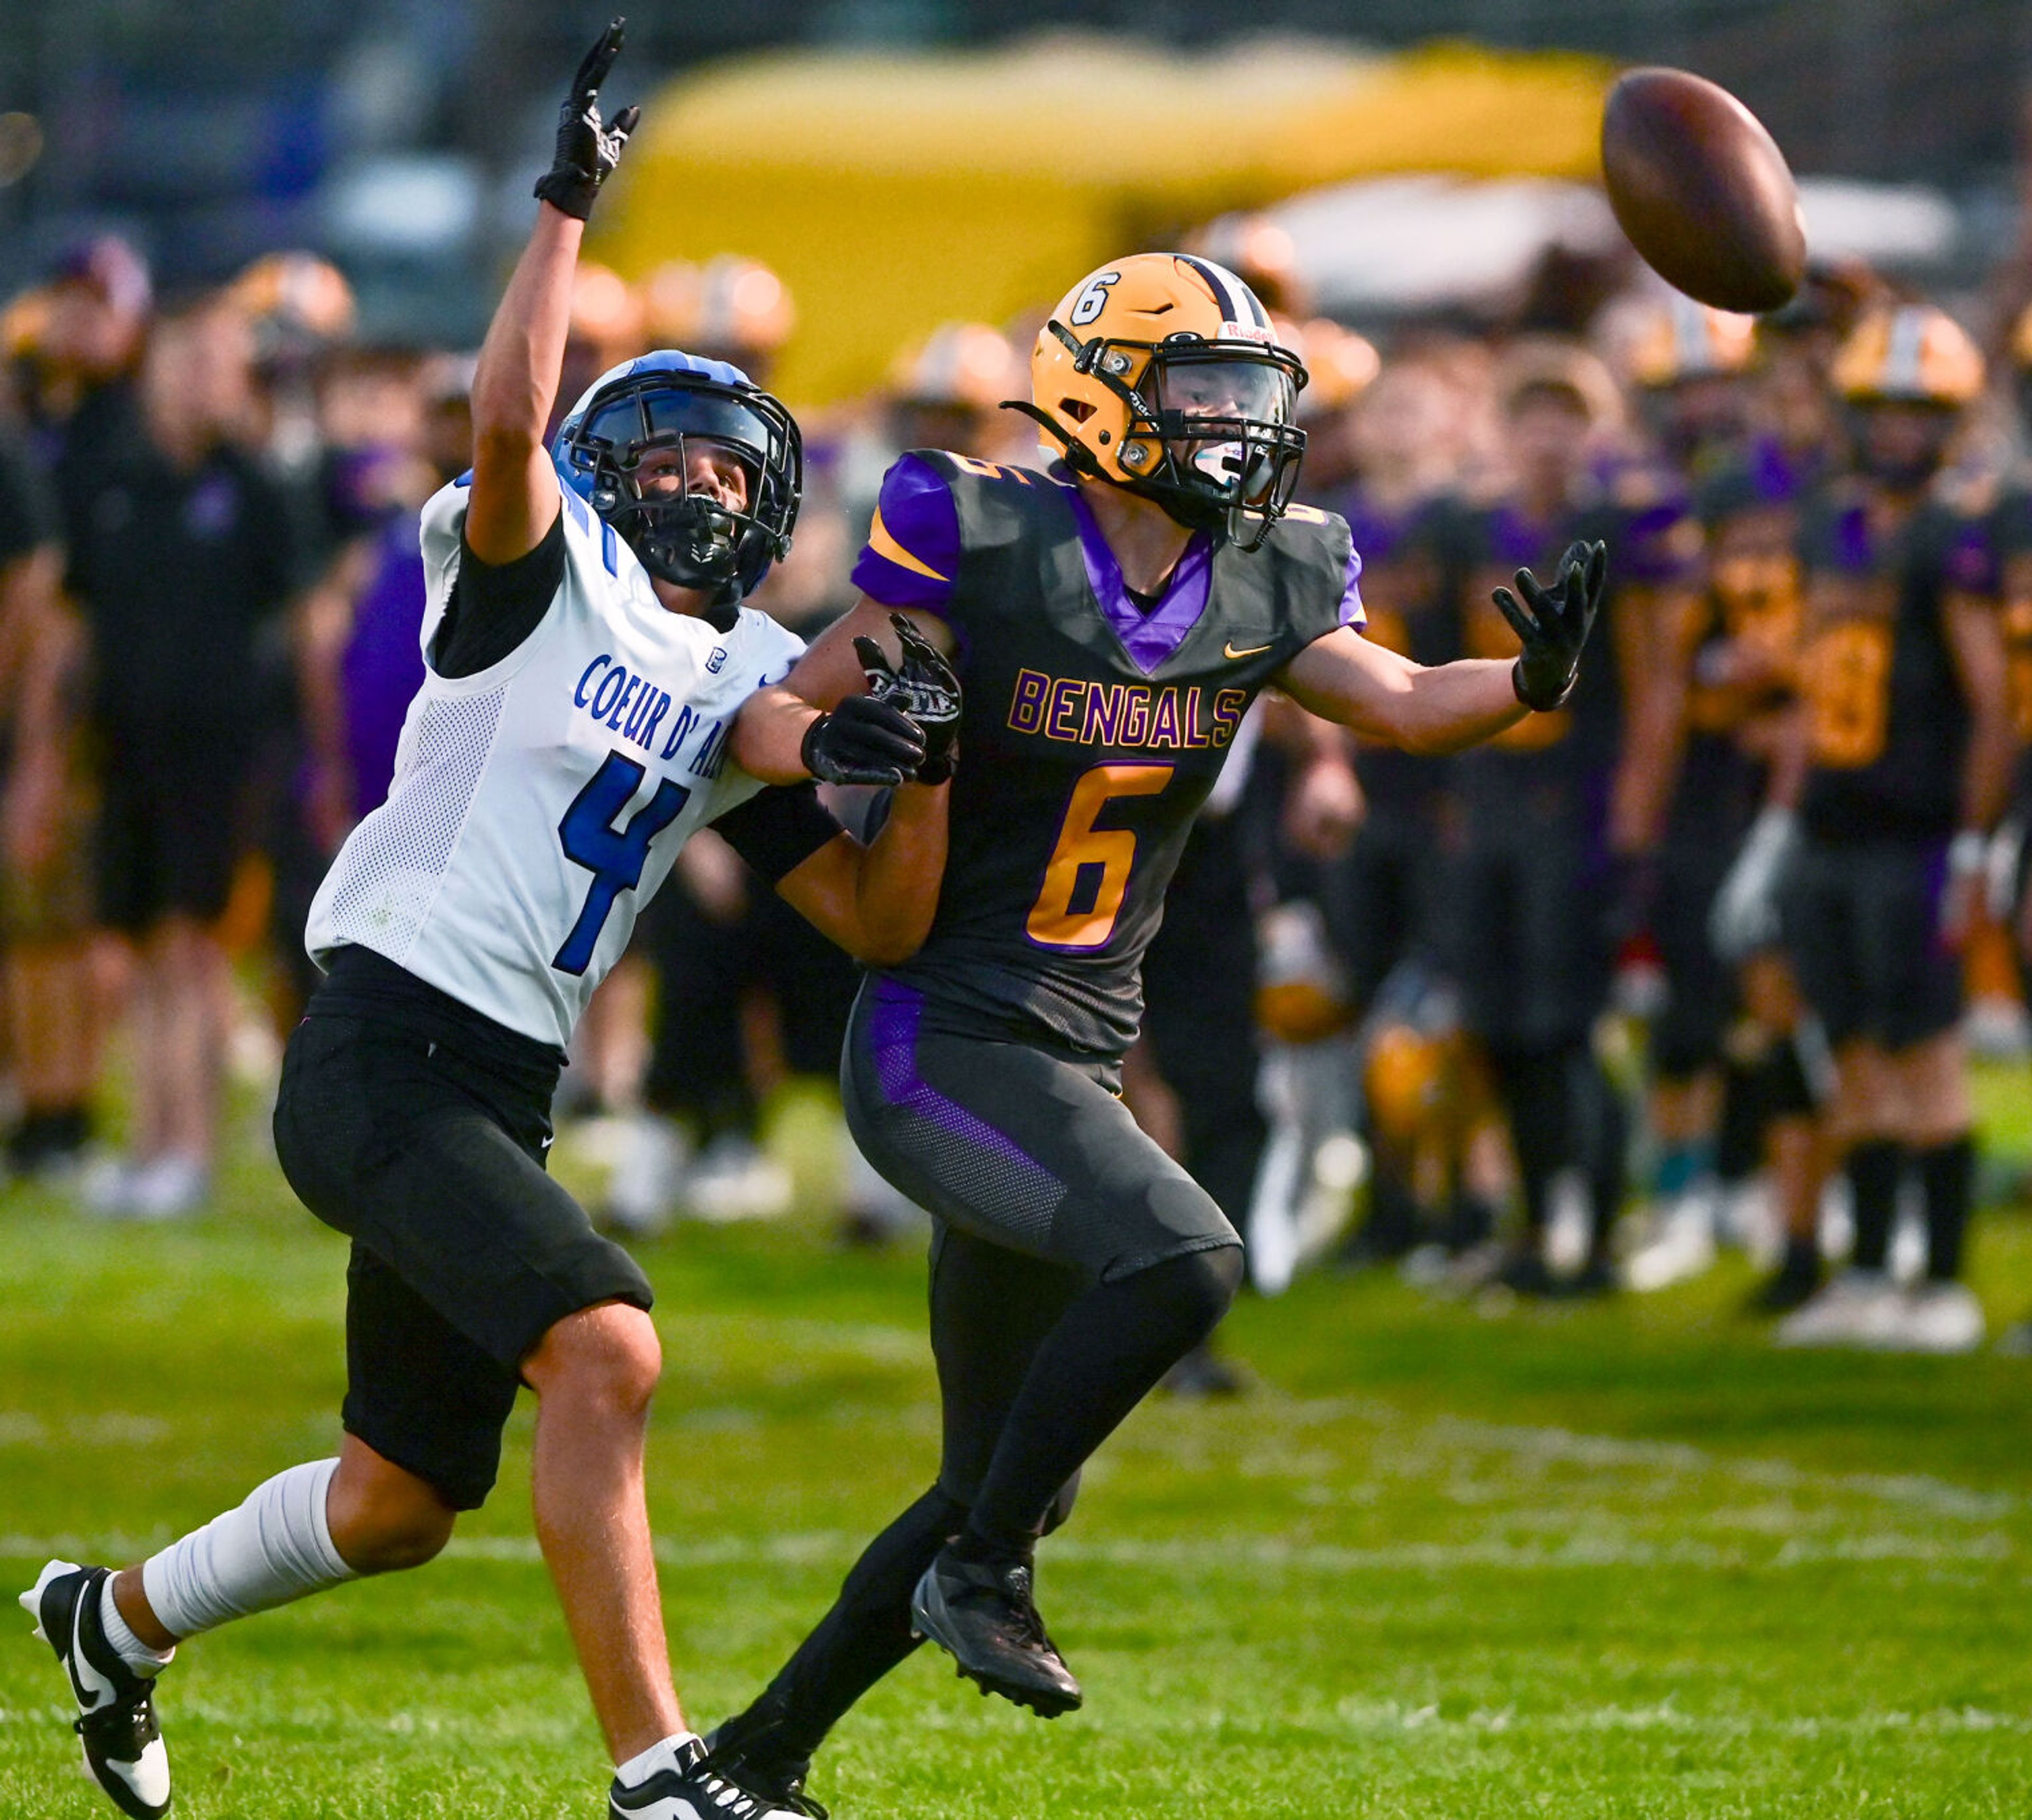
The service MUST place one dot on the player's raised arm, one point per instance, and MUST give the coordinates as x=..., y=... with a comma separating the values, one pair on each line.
x=514, y=497
x=1449, y=706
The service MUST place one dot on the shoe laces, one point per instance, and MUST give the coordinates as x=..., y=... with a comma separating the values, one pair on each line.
x=1024, y=1620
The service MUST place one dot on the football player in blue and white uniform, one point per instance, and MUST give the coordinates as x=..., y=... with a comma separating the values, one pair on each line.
x=586, y=650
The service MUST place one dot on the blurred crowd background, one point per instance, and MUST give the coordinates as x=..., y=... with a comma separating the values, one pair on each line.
x=1476, y=1019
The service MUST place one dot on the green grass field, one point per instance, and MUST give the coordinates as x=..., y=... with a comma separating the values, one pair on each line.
x=1623, y=1560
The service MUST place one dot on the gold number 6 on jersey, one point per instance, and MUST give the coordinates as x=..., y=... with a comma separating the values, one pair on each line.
x=1053, y=922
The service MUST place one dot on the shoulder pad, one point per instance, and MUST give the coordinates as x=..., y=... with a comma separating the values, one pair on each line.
x=950, y=467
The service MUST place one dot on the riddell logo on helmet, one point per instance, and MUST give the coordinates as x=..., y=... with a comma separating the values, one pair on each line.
x=1247, y=332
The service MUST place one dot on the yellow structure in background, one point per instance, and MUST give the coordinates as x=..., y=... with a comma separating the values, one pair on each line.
x=895, y=192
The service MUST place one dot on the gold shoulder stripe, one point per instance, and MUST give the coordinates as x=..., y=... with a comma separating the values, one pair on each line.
x=883, y=544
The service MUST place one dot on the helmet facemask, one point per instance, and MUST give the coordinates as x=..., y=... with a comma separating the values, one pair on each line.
x=1209, y=435
x=692, y=538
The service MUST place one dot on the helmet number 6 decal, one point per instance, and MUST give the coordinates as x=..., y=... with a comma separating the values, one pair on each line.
x=1093, y=300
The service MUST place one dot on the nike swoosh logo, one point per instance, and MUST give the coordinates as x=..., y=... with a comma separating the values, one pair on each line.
x=547, y=1143
x=1229, y=653
x=92, y=1688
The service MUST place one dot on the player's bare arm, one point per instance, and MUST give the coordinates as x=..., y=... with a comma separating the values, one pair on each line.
x=877, y=901
x=769, y=738
x=1448, y=708
x=514, y=498
x=1975, y=639
x=1651, y=643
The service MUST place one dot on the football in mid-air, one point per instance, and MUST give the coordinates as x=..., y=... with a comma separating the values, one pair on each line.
x=1703, y=190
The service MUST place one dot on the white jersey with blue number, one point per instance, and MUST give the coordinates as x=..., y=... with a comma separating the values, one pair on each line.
x=537, y=806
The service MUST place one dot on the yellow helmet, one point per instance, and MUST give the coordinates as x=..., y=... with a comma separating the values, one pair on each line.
x=2021, y=340
x=1339, y=363
x=1912, y=354
x=1680, y=340
x=23, y=324
x=607, y=311
x=966, y=365
x=296, y=299
x=1162, y=374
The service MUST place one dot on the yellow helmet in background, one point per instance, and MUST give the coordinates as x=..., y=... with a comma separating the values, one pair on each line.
x=1339, y=365
x=1163, y=374
x=607, y=311
x=1911, y=354
x=23, y=324
x=740, y=310
x=967, y=366
x=295, y=300
x=1679, y=340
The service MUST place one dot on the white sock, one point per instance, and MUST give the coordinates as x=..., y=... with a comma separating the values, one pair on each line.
x=662, y=1755
x=120, y=1634
x=274, y=1547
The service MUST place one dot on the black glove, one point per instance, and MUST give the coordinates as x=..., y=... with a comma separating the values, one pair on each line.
x=587, y=150
x=864, y=740
x=1556, y=626
x=925, y=687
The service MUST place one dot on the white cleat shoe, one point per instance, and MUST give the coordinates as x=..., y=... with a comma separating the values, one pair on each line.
x=1859, y=1308
x=734, y=1180
x=686, y=1787
x=650, y=1155
x=123, y=1745
x=168, y=1188
x=1943, y=1317
x=1682, y=1246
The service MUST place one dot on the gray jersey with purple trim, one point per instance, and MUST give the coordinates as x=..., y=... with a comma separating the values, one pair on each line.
x=1093, y=728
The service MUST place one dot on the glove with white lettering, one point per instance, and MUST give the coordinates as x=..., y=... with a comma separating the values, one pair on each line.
x=924, y=686
x=588, y=148
x=1553, y=624
x=864, y=740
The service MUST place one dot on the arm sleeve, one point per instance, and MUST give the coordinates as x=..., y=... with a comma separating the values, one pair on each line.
x=912, y=555
x=494, y=607
x=777, y=830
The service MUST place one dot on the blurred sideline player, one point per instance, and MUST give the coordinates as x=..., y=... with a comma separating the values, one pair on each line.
x=585, y=668
x=1561, y=811
x=1113, y=618
x=1383, y=899
x=45, y=909
x=2011, y=531
x=1725, y=657
x=1909, y=749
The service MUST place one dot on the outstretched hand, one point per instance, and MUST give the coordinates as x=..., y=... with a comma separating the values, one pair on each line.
x=1552, y=624
x=588, y=148
x=924, y=686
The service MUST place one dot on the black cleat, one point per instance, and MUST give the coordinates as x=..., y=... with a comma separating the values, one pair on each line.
x=983, y=1618
x=123, y=1744
x=749, y=1749
x=1792, y=1285
x=693, y=1789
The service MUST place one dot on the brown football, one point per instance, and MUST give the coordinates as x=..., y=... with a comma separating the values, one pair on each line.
x=1703, y=190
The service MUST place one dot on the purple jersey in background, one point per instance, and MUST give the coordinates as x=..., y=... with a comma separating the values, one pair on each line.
x=382, y=665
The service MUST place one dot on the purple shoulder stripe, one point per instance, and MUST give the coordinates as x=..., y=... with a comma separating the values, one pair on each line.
x=912, y=553
x=1352, y=611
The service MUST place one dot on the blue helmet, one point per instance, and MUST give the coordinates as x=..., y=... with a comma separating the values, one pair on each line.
x=664, y=401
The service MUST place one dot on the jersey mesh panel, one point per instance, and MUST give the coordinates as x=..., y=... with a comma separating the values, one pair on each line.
x=397, y=857
x=1000, y=1195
